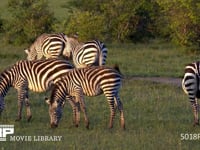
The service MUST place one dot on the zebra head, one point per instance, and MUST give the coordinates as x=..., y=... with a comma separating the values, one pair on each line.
x=2, y=103
x=31, y=55
x=55, y=112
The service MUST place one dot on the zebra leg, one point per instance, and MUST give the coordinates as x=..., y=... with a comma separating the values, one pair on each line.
x=80, y=99
x=22, y=95
x=2, y=104
x=20, y=105
x=28, y=109
x=120, y=108
x=195, y=107
x=76, y=111
x=112, y=111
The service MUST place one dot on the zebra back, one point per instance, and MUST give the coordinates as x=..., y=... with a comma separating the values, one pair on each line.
x=92, y=80
x=39, y=74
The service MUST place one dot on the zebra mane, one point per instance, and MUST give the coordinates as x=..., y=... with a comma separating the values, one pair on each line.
x=6, y=80
x=7, y=69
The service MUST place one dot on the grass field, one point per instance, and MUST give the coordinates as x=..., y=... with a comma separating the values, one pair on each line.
x=156, y=115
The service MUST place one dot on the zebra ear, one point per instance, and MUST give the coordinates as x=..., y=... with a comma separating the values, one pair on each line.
x=47, y=101
x=75, y=35
x=63, y=104
x=26, y=51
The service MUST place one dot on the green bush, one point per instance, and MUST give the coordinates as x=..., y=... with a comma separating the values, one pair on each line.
x=87, y=25
x=110, y=20
x=182, y=20
x=29, y=19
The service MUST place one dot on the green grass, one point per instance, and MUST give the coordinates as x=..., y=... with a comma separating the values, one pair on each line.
x=153, y=59
x=155, y=114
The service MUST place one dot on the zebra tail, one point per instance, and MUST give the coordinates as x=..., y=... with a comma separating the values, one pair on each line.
x=116, y=67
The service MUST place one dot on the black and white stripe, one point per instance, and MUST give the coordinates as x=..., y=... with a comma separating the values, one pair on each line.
x=90, y=81
x=37, y=76
x=191, y=86
x=48, y=46
x=86, y=54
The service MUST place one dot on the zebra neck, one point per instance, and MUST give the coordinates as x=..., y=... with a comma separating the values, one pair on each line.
x=5, y=83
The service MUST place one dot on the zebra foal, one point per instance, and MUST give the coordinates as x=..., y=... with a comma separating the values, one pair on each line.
x=191, y=86
x=37, y=76
x=90, y=81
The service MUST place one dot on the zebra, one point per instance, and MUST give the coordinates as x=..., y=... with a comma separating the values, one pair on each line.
x=47, y=45
x=25, y=75
x=89, y=81
x=191, y=86
x=86, y=54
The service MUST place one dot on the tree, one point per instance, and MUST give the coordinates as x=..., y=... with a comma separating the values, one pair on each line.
x=87, y=25
x=29, y=19
x=183, y=21
x=113, y=20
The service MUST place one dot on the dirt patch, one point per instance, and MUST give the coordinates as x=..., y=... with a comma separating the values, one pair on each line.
x=165, y=80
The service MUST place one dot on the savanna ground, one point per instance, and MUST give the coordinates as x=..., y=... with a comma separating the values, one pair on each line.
x=156, y=114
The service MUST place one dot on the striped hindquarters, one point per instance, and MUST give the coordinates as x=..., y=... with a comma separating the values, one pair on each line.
x=90, y=53
x=53, y=45
x=48, y=46
x=190, y=82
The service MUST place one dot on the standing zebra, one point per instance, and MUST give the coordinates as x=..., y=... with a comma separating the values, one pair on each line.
x=47, y=45
x=37, y=76
x=90, y=81
x=86, y=54
x=191, y=86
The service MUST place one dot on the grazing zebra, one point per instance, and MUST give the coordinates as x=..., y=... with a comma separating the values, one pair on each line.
x=86, y=54
x=191, y=86
x=89, y=81
x=47, y=45
x=37, y=76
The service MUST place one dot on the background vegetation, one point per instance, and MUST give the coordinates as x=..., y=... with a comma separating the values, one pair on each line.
x=114, y=20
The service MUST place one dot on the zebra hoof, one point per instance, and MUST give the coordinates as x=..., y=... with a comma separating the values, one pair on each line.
x=54, y=125
x=195, y=124
x=29, y=118
x=87, y=126
x=123, y=127
x=18, y=119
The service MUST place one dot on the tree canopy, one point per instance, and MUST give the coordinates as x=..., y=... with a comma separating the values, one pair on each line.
x=29, y=18
x=114, y=20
